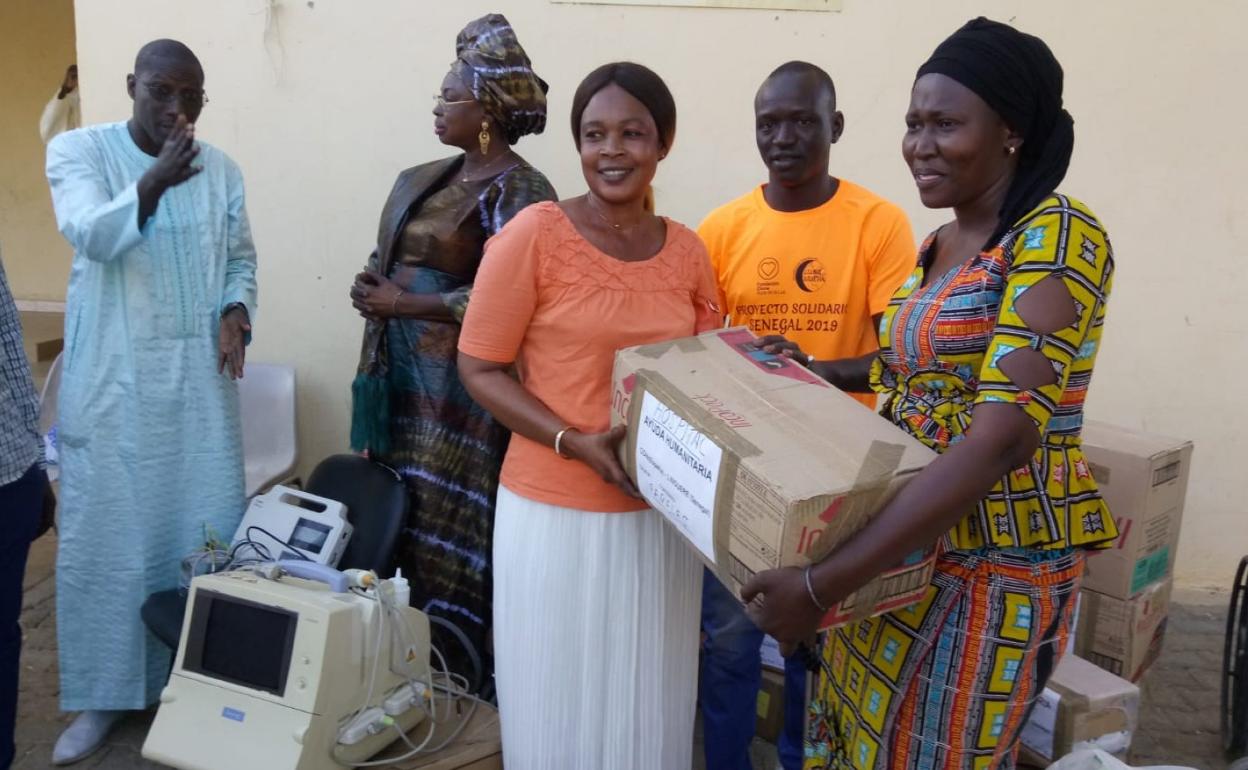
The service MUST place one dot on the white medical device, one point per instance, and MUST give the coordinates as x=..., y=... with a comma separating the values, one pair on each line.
x=315, y=527
x=290, y=673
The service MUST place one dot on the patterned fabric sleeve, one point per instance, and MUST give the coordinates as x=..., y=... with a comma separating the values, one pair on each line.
x=511, y=192
x=1060, y=238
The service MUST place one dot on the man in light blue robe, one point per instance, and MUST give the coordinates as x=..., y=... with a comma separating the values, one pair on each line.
x=160, y=298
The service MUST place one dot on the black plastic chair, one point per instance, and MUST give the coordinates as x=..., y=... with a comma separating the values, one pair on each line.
x=376, y=501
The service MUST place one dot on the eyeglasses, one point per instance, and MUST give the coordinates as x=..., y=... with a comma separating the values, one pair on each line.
x=191, y=97
x=442, y=102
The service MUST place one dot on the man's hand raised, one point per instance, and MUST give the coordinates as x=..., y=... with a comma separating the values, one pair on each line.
x=173, y=166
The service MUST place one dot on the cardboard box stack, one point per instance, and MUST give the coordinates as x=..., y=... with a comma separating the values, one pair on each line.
x=1123, y=636
x=1143, y=477
x=1126, y=589
x=1081, y=704
x=760, y=464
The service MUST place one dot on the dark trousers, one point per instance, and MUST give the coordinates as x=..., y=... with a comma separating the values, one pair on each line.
x=21, y=503
x=728, y=686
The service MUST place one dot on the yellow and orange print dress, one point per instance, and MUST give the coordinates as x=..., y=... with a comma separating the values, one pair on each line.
x=948, y=682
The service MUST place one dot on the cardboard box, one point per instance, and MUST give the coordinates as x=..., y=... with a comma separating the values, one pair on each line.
x=761, y=464
x=1081, y=703
x=1143, y=477
x=1123, y=637
x=770, y=706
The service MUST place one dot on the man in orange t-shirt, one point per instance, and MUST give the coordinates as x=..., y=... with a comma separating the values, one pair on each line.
x=815, y=259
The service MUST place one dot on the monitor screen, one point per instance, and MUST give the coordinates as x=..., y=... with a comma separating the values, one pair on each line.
x=310, y=535
x=240, y=641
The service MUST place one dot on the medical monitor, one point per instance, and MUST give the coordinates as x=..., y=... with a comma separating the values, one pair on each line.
x=286, y=523
x=240, y=641
x=288, y=673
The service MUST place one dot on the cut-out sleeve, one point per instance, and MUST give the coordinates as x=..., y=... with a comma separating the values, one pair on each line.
x=1063, y=240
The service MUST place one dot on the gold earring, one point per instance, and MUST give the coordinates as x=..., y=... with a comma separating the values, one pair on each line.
x=483, y=138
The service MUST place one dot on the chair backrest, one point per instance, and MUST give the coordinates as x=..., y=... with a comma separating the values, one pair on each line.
x=47, y=397
x=266, y=400
x=376, y=501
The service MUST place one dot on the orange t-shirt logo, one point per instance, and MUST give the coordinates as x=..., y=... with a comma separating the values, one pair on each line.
x=815, y=276
x=810, y=275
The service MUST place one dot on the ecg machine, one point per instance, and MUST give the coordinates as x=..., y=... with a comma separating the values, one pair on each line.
x=292, y=524
x=296, y=670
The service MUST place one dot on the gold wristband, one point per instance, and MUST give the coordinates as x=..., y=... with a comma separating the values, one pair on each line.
x=394, y=303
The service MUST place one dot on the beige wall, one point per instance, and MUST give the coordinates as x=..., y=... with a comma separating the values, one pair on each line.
x=36, y=45
x=322, y=102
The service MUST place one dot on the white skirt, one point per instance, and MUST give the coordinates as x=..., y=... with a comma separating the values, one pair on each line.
x=595, y=638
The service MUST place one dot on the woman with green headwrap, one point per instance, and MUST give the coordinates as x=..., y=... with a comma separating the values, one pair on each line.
x=410, y=409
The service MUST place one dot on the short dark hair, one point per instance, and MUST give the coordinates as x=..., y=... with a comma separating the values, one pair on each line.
x=806, y=68
x=642, y=83
x=165, y=50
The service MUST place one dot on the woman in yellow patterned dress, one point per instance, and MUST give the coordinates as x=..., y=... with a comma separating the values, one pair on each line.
x=997, y=328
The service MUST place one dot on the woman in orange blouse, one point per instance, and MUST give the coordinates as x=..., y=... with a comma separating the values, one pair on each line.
x=595, y=600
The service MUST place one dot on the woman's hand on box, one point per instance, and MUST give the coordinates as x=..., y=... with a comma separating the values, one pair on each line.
x=598, y=451
x=779, y=604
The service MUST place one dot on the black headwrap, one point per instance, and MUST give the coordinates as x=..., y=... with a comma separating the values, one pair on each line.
x=1019, y=78
x=491, y=62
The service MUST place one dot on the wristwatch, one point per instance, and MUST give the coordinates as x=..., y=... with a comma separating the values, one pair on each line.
x=230, y=307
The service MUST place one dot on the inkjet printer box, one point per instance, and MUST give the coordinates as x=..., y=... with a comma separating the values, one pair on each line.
x=759, y=463
x=1143, y=477
x=1080, y=704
